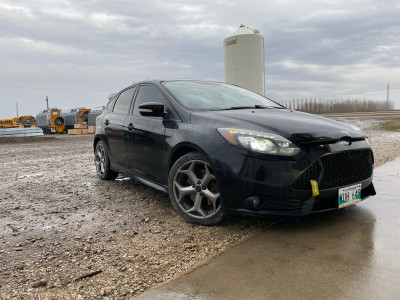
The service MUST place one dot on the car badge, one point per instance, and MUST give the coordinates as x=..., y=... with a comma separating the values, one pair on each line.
x=344, y=142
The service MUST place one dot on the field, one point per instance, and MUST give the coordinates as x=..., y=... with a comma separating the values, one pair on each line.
x=391, y=125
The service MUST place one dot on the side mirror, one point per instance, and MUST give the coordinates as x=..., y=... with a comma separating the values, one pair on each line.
x=152, y=109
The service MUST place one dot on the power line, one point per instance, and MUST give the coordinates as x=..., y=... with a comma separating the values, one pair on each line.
x=387, y=97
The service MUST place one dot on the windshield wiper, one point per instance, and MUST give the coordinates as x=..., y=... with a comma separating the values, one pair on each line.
x=270, y=106
x=240, y=107
x=257, y=106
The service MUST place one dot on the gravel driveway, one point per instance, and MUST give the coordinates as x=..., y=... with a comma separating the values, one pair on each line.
x=65, y=234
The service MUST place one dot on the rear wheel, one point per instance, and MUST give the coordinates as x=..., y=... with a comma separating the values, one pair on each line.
x=193, y=190
x=102, y=162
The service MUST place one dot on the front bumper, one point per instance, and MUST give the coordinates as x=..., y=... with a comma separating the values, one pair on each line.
x=282, y=184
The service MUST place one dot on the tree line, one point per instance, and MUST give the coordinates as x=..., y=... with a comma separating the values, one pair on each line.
x=337, y=105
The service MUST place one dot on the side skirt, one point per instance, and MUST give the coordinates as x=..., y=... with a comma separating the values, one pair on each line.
x=152, y=184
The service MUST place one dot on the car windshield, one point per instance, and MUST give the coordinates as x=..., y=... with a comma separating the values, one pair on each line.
x=216, y=96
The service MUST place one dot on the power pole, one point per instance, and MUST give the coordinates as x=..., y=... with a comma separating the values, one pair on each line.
x=47, y=101
x=387, y=97
x=17, y=109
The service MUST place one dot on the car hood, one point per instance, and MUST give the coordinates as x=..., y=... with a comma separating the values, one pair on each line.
x=299, y=127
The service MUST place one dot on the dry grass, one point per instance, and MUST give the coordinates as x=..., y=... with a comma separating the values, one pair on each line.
x=390, y=125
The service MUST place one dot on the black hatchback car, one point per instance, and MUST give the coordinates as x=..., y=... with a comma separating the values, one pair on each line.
x=217, y=148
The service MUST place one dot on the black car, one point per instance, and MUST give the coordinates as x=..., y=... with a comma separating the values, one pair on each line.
x=218, y=148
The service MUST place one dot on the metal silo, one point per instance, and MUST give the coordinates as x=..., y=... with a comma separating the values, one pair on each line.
x=94, y=114
x=244, y=59
x=75, y=115
x=69, y=118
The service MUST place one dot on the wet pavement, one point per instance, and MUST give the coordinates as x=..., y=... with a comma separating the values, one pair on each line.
x=353, y=253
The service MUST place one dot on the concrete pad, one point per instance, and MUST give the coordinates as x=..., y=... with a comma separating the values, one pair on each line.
x=353, y=253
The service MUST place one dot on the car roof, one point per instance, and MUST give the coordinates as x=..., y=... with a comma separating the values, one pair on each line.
x=177, y=79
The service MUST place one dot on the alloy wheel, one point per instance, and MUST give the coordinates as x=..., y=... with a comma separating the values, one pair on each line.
x=100, y=160
x=195, y=190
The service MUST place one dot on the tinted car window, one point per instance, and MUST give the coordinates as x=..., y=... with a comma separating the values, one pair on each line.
x=147, y=94
x=124, y=102
x=110, y=104
x=212, y=95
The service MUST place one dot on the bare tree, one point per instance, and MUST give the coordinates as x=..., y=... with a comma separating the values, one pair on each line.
x=337, y=105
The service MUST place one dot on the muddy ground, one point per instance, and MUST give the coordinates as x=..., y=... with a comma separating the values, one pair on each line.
x=65, y=234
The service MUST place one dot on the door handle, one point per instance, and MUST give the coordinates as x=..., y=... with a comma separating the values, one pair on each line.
x=130, y=127
x=106, y=123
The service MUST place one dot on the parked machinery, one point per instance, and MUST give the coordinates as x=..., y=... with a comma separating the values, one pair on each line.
x=83, y=114
x=75, y=115
x=27, y=121
x=97, y=111
x=69, y=118
x=50, y=121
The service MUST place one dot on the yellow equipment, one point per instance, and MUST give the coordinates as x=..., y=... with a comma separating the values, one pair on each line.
x=56, y=120
x=83, y=114
x=9, y=123
x=27, y=121
x=50, y=121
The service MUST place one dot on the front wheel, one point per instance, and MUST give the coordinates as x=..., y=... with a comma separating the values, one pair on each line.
x=102, y=162
x=193, y=190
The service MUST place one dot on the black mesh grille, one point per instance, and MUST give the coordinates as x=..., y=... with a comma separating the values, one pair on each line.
x=339, y=169
x=287, y=205
x=303, y=182
x=345, y=168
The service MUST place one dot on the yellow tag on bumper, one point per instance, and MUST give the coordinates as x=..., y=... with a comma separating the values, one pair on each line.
x=314, y=188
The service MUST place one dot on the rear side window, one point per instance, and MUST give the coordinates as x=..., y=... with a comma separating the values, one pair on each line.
x=147, y=93
x=124, y=102
x=110, y=104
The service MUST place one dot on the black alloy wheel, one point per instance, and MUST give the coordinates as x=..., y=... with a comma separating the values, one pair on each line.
x=193, y=190
x=103, y=163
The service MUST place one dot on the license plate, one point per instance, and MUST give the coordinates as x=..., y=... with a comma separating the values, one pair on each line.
x=349, y=195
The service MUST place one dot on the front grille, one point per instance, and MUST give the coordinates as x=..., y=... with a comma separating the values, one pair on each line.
x=312, y=172
x=346, y=168
x=339, y=169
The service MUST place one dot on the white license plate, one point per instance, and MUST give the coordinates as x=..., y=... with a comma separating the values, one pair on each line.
x=349, y=195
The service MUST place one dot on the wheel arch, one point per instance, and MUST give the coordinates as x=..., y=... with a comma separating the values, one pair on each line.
x=181, y=150
x=97, y=139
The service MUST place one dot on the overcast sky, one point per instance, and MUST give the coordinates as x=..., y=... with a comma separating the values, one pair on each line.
x=77, y=52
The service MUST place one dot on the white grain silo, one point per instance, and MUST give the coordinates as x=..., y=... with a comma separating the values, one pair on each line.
x=244, y=59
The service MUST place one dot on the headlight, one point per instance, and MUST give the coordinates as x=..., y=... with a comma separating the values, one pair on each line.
x=259, y=142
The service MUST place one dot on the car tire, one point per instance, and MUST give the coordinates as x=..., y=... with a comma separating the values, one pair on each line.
x=102, y=162
x=193, y=190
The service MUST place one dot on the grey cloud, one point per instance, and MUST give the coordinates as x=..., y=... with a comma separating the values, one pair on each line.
x=80, y=51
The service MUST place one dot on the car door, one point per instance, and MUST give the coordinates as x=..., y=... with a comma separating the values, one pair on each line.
x=144, y=144
x=114, y=126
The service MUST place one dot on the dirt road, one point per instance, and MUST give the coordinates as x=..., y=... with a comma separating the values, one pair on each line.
x=65, y=234
x=59, y=222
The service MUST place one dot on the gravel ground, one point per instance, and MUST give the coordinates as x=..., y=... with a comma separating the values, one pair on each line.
x=385, y=144
x=65, y=234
